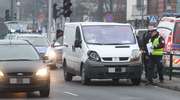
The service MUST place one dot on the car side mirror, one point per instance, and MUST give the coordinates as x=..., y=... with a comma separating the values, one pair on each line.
x=77, y=43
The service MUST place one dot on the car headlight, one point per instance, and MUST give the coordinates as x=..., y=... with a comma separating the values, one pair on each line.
x=1, y=74
x=42, y=72
x=51, y=54
x=135, y=56
x=92, y=55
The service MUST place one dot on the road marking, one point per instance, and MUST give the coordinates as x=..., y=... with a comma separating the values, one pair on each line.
x=76, y=95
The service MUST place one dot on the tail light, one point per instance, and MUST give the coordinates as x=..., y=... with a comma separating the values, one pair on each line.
x=168, y=46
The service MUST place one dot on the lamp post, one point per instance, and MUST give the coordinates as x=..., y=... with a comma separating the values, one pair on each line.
x=142, y=13
x=49, y=18
x=18, y=4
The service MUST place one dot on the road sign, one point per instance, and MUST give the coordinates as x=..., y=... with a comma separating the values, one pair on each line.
x=153, y=19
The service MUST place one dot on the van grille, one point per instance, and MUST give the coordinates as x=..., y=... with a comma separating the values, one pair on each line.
x=107, y=59
x=123, y=58
x=20, y=74
x=115, y=59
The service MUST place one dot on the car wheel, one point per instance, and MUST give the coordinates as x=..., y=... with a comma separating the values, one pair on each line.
x=84, y=79
x=136, y=81
x=67, y=76
x=53, y=66
x=44, y=92
x=115, y=80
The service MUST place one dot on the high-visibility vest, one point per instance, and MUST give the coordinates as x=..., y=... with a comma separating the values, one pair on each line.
x=155, y=43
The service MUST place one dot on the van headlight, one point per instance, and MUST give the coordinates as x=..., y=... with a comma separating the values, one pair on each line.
x=92, y=55
x=43, y=72
x=136, y=55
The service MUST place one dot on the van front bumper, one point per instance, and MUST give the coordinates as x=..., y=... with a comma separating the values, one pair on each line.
x=103, y=70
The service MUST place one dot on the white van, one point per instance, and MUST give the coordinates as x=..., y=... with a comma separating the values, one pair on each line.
x=98, y=50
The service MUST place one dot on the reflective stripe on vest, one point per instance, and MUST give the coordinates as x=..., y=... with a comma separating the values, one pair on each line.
x=158, y=52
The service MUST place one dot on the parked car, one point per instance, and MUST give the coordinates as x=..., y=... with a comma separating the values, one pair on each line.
x=98, y=50
x=169, y=28
x=22, y=69
x=41, y=43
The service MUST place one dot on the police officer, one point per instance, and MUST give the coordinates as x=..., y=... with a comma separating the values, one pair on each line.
x=156, y=56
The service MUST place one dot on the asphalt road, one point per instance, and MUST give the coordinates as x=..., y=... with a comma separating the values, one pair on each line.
x=98, y=90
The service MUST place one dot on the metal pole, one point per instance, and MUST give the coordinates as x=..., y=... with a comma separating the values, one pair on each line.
x=18, y=3
x=142, y=13
x=49, y=18
x=12, y=11
x=171, y=66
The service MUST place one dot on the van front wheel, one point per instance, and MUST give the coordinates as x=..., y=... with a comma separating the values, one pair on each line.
x=136, y=81
x=84, y=79
x=67, y=76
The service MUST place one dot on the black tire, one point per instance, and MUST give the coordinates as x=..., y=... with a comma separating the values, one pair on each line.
x=53, y=66
x=67, y=76
x=115, y=80
x=136, y=81
x=45, y=92
x=84, y=79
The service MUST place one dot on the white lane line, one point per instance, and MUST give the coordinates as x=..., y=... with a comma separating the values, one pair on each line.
x=76, y=95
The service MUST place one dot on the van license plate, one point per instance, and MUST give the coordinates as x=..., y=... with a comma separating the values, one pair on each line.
x=111, y=70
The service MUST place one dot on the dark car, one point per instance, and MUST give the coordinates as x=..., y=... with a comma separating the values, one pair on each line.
x=22, y=69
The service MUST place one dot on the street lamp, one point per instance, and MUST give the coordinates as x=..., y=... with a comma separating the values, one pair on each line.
x=18, y=4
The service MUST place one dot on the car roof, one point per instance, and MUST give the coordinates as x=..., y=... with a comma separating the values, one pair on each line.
x=13, y=42
x=30, y=35
x=96, y=23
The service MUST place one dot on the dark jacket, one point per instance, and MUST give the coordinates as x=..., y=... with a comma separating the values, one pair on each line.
x=145, y=41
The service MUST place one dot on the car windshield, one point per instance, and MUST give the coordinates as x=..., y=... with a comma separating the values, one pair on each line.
x=108, y=34
x=177, y=33
x=37, y=41
x=18, y=52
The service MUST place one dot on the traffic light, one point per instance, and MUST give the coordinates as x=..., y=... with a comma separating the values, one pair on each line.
x=7, y=15
x=67, y=8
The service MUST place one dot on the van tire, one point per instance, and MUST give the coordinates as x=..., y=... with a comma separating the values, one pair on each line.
x=67, y=76
x=136, y=81
x=84, y=79
x=115, y=80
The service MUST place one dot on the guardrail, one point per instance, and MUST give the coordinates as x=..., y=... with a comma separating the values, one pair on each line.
x=171, y=68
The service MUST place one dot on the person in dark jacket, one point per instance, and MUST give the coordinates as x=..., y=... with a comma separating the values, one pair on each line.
x=145, y=57
x=156, y=54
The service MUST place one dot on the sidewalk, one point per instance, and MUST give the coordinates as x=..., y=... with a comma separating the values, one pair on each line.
x=173, y=84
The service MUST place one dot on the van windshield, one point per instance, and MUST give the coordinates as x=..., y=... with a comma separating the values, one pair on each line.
x=108, y=34
x=177, y=33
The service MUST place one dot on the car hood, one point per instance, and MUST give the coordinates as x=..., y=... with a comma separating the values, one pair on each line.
x=20, y=66
x=41, y=49
x=113, y=50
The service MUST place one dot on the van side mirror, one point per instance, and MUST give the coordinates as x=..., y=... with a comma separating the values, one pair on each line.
x=77, y=43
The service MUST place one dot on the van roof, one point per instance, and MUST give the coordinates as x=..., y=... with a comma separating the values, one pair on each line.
x=96, y=23
x=170, y=18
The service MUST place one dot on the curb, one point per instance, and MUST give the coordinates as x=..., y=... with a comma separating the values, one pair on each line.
x=176, y=88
